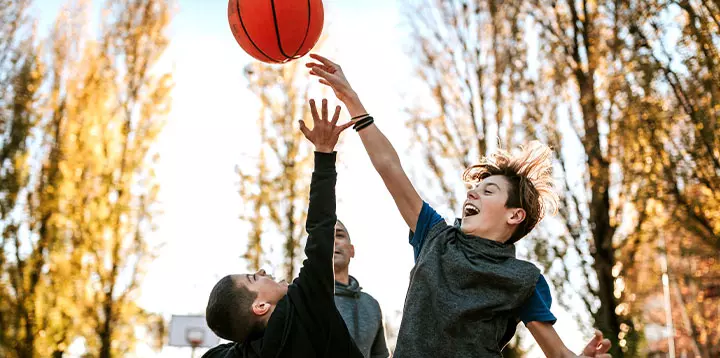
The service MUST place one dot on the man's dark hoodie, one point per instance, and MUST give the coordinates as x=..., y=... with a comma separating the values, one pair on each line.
x=363, y=318
x=306, y=323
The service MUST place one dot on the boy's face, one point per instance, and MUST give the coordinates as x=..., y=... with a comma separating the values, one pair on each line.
x=344, y=250
x=484, y=211
x=268, y=290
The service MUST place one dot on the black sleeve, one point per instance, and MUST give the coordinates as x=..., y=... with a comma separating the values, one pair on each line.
x=316, y=277
x=379, y=348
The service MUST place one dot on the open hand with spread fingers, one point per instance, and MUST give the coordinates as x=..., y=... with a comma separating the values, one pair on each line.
x=325, y=133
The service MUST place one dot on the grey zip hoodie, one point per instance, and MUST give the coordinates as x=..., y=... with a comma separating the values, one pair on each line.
x=363, y=317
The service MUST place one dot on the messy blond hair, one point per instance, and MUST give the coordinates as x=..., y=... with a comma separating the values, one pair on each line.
x=531, y=185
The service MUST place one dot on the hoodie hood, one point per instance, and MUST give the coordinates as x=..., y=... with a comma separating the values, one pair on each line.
x=352, y=289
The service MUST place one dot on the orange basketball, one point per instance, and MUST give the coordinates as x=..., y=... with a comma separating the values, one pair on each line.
x=276, y=31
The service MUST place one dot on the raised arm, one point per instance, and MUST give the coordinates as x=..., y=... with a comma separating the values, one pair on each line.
x=316, y=275
x=382, y=154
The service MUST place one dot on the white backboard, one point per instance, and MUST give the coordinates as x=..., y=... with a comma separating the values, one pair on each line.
x=183, y=327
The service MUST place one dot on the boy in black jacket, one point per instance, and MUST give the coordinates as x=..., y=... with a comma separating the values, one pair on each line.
x=273, y=319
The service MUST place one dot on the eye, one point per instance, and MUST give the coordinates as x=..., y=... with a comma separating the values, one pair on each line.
x=488, y=191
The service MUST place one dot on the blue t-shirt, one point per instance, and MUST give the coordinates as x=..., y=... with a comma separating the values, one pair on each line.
x=537, y=307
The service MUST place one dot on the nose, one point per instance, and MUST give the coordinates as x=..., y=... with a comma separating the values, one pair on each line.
x=472, y=194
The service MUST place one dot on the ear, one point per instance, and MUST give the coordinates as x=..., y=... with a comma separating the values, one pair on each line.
x=260, y=308
x=352, y=251
x=517, y=216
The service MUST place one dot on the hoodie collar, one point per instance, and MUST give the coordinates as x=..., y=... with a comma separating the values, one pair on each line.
x=352, y=289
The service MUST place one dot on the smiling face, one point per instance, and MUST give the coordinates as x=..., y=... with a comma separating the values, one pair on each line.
x=485, y=213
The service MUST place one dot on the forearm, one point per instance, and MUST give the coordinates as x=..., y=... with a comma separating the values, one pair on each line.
x=387, y=163
x=381, y=152
x=321, y=217
x=548, y=340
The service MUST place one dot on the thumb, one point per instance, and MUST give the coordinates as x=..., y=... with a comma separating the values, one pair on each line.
x=346, y=126
x=304, y=129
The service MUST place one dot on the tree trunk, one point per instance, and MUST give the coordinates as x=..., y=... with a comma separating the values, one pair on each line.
x=602, y=230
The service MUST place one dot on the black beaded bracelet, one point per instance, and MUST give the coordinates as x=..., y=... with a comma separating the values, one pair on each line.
x=366, y=124
x=362, y=122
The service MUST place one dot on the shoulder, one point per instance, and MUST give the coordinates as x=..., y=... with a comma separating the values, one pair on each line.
x=369, y=299
x=528, y=268
x=543, y=289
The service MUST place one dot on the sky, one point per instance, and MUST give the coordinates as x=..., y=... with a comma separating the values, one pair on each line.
x=210, y=131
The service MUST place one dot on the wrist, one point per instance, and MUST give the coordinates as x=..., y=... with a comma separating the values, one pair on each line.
x=354, y=106
x=324, y=149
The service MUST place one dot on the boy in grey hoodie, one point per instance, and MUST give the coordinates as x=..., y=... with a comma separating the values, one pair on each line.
x=360, y=311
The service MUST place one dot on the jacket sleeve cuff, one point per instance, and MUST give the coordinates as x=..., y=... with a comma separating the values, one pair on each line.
x=325, y=161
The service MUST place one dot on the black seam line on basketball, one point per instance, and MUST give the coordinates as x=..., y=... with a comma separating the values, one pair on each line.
x=277, y=31
x=307, y=30
x=247, y=34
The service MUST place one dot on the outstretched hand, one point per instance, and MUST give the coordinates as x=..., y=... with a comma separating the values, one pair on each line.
x=331, y=75
x=597, y=347
x=325, y=134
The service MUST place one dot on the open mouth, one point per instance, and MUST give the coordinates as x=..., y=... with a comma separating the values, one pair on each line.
x=470, y=210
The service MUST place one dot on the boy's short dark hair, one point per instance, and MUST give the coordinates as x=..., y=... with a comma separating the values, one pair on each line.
x=229, y=310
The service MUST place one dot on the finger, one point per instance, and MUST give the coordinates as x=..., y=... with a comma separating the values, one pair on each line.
x=304, y=129
x=314, y=112
x=336, y=115
x=593, y=344
x=604, y=346
x=324, y=60
x=324, y=110
x=325, y=82
x=320, y=72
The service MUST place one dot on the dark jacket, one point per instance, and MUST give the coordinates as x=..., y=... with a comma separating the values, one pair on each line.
x=363, y=318
x=306, y=323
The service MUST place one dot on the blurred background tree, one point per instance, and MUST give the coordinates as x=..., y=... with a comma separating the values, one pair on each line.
x=624, y=91
x=79, y=116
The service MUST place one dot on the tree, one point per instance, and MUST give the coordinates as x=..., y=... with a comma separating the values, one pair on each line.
x=275, y=192
x=20, y=79
x=630, y=107
x=134, y=101
x=472, y=80
x=83, y=191
x=673, y=92
x=582, y=60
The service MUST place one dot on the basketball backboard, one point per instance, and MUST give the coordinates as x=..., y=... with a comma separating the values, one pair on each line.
x=189, y=331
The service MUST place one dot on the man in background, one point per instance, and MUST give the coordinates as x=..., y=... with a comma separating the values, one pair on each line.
x=360, y=311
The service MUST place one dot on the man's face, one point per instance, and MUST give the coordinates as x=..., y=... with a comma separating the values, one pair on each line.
x=484, y=211
x=344, y=250
x=268, y=290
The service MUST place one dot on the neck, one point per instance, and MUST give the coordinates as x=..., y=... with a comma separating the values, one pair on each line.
x=501, y=236
x=342, y=275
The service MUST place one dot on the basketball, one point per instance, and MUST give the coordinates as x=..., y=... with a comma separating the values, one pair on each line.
x=276, y=31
